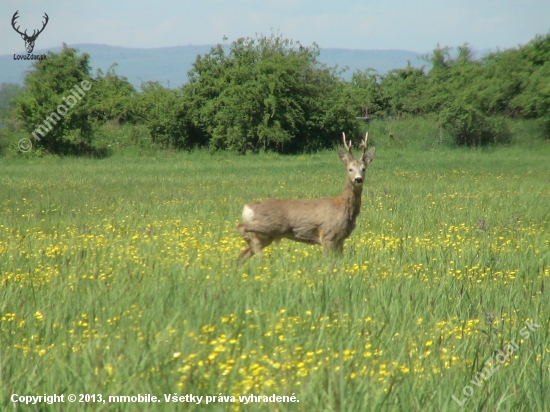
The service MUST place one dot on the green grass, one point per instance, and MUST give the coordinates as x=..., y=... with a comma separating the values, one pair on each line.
x=118, y=277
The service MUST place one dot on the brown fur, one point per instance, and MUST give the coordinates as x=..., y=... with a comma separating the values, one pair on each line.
x=327, y=221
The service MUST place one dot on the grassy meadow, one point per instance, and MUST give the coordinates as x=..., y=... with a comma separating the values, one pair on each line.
x=118, y=277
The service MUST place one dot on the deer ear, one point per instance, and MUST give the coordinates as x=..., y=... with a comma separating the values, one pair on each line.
x=345, y=156
x=369, y=156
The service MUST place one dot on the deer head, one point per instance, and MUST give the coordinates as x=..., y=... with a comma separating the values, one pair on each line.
x=356, y=167
x=29, y=40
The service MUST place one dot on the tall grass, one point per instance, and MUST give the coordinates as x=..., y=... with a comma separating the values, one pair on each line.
x=118, y=277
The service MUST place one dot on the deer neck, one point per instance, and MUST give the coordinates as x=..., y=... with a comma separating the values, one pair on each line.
x=351, y=200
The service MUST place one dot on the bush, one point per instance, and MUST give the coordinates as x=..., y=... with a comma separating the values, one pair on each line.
x=545, y=125
x=162, y=111
x=266, y=93
x=8, y=91
x=47, y=87
x=110, y=98
x=470, y=127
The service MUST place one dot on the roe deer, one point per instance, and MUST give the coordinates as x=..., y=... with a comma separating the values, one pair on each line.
x=328, y=221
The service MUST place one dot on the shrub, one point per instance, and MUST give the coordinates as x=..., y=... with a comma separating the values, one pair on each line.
x=470, y=127
x=266, y=93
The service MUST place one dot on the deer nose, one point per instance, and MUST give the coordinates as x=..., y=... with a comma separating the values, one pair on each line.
x=358, y=180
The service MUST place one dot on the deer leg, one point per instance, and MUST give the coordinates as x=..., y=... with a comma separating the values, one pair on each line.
x=249, y=251
x=328, y=246
x=332, y=246
x=245, y=255
x=255, y=242
x=242, y=228
x=260, y=242
x=339, y=247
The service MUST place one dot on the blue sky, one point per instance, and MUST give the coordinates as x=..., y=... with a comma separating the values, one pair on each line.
x=383, y=24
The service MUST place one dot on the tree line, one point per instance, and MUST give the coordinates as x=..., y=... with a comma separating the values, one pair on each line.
x=272, y=93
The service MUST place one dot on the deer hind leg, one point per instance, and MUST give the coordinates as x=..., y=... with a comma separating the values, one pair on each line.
x=256, y=243
x=245, y=255
x=260, y=242
x=249, y=251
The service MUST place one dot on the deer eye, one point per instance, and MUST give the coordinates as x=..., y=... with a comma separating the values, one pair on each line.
x=363, y=169
x=350, y=170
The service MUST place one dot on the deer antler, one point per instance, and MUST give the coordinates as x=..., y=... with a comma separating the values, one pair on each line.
x=363, y=144
x=34, y=33
x=15, y=16
x=346, y=144
x=43, y=25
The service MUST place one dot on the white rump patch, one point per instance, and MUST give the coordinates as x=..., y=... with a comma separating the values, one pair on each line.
x=248, y=214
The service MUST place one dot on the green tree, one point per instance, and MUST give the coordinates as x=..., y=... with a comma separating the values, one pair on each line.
x=534, y=98
x=471, y=127
x=405, y=90
x=266, y=93
x=461, y=93
x=46, y=107
x=502, y=78
x=8, y=91
x=111, y=97
x=163, y=112
x=365, y=94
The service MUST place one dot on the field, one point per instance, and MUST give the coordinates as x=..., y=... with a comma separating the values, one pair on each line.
x=118, y=278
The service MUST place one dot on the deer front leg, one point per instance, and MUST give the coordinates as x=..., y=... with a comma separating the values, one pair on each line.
x=333, y=246
x=328, y=246
x=339, y=247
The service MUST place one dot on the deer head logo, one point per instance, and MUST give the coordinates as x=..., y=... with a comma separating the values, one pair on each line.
x=29, y=40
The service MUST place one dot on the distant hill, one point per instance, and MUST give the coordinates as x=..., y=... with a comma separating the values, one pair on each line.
x=169, y=65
